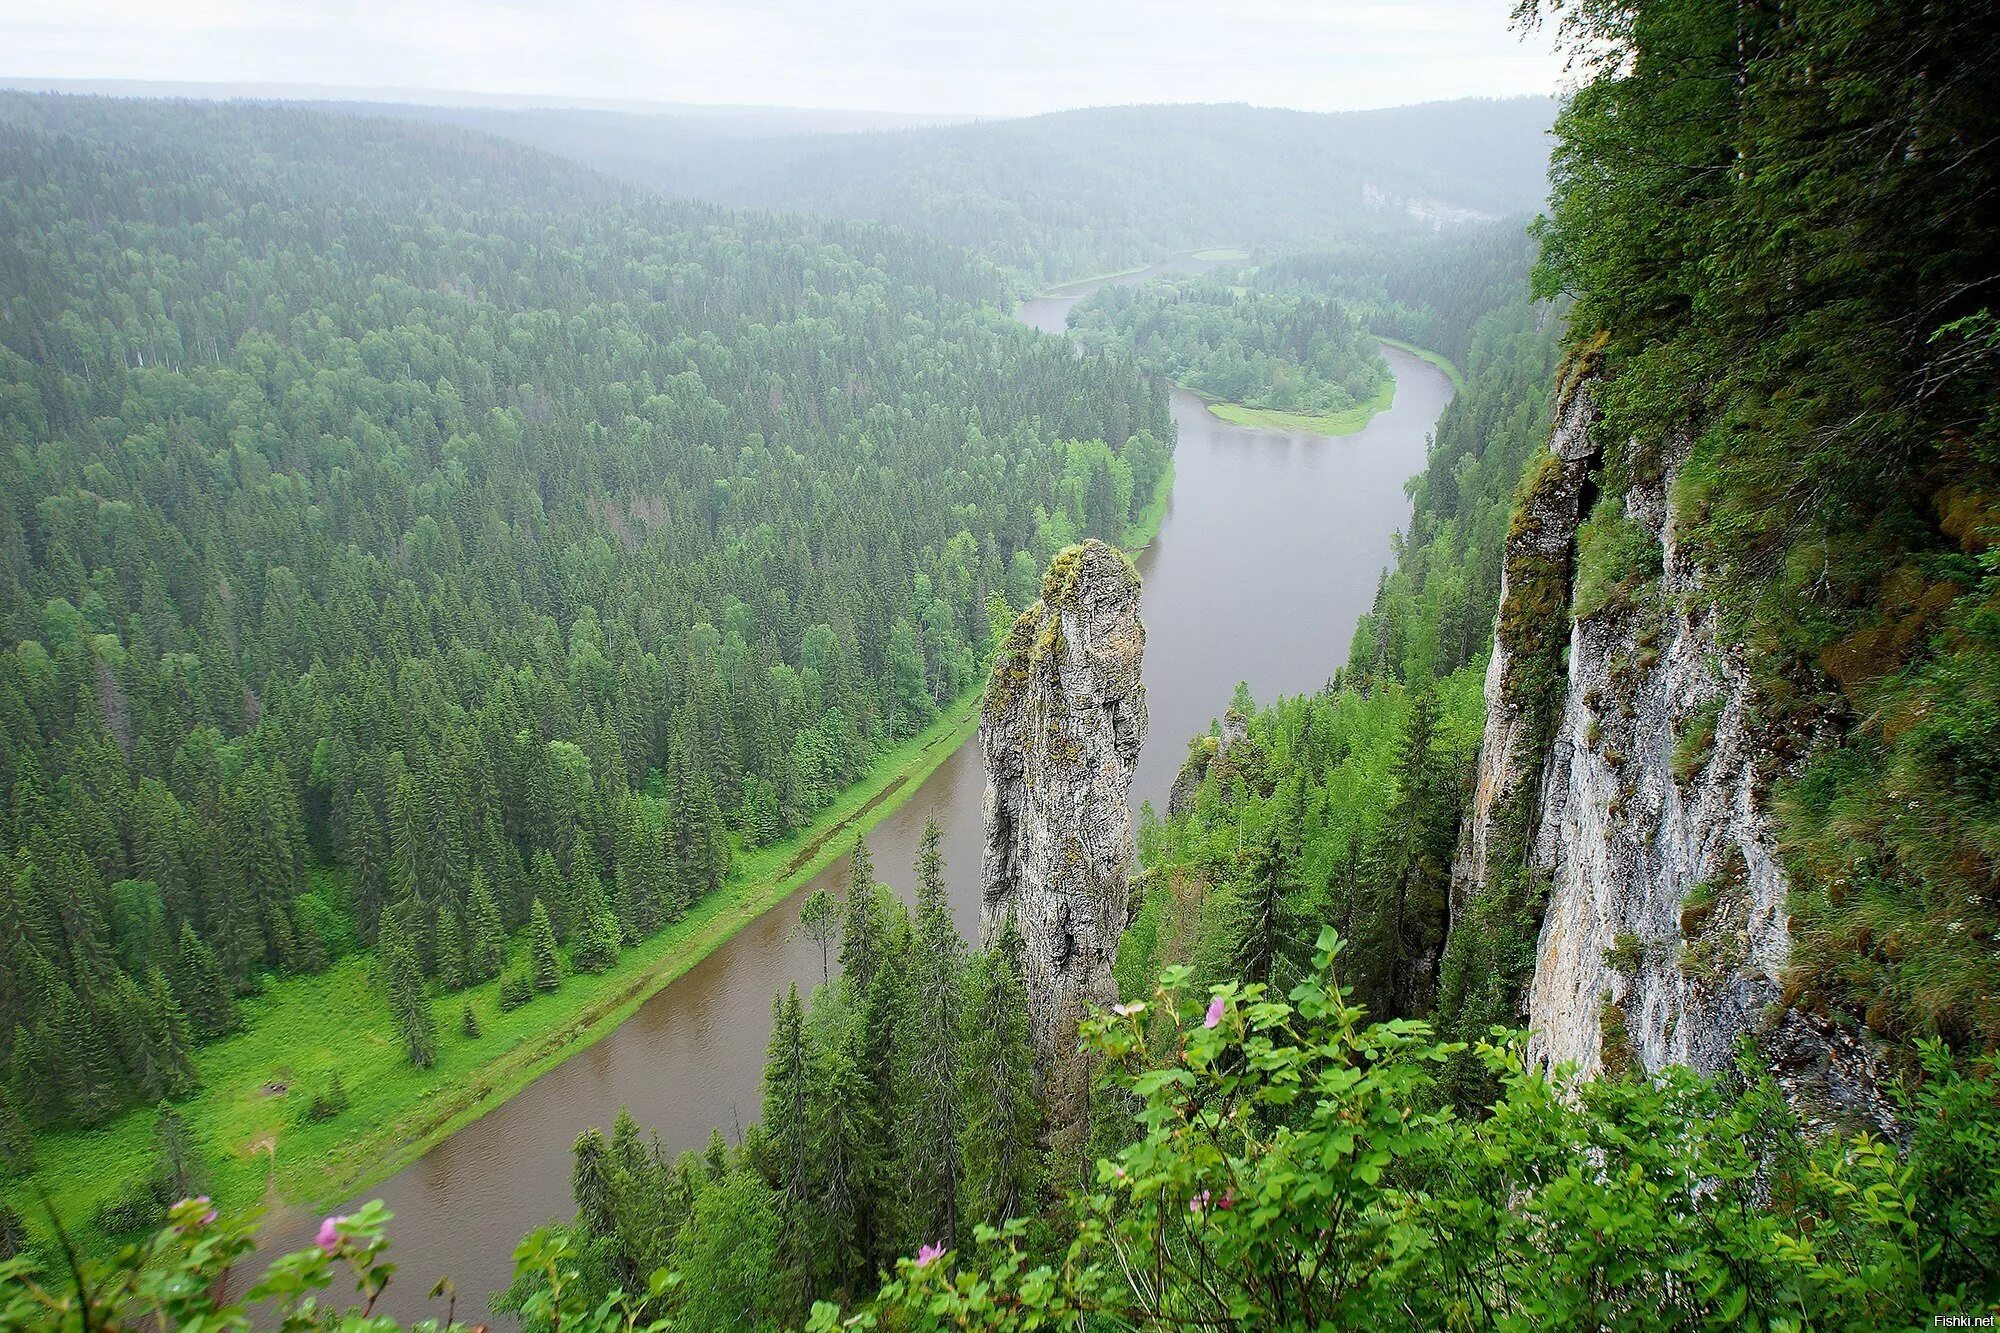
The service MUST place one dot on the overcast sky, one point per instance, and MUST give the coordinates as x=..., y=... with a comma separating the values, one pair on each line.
x=965, y=57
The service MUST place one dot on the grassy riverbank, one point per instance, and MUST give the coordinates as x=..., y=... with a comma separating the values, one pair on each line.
x=250, y=1112
x=1317, y=423
x=1425, y=354
x=1062, y=289
x=249, y=1115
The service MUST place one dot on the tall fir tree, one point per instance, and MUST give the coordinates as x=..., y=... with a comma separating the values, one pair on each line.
x=449, y=950
x=486, y=938
x=544, y=962
x=862, y=929
x=1002, y=1118
x=927, y=1061
x=788, y=1138
x=409, y=1006
x=203, y=990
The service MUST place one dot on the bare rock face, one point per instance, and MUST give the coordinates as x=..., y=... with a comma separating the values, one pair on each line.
x=1204, y=752
x=1636, y=782
x=1062, y=724
x=1534, y=598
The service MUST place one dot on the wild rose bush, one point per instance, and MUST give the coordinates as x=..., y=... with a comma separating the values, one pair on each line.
x=1295, y=1169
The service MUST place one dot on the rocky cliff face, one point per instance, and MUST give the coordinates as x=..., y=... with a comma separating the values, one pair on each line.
x=1063, y=721
x=1627, y=772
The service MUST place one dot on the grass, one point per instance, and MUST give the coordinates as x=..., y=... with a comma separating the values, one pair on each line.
x=255, y=1085
x=1062, y=288
x=1344, y=422
x=1438, y=359
x=1221, y=255
x=257, y=1141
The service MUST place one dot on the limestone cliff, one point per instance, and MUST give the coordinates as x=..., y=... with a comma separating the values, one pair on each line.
x=1063, y=720
x=1623, y=771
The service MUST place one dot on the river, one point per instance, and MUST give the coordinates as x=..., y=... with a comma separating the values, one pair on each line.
x=1268, y=554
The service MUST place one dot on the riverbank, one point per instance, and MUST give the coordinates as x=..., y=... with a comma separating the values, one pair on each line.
x=250, y=1114
x=1345, y=422
x=1426, y=355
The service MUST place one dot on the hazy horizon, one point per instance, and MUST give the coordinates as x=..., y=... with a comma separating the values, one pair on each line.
x=473, y=100
x=870, y=58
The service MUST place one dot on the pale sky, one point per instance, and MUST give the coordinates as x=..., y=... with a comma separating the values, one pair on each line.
x=977, y=57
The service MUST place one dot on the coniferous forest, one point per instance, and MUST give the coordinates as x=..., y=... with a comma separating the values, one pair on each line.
x=1294, y=354
x=412, y=538
x=429, y=556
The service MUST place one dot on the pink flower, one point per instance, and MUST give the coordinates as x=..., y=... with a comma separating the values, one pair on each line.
x=206, y=1217
x=329, y=1234
x=1227, y=1201
x=1214, y=1013
x=927, y=1253
x=1198, y=1202
x=1127, y=1010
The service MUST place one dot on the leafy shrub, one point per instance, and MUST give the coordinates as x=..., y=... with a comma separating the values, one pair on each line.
x=128, y=1215
x=327, y=1104
x=1292, y=1173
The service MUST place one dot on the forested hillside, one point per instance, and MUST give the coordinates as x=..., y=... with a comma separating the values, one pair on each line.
x=1080, y=192
x=1431, y=289
x=1296, y=354
x=411, y=536
x=1727, y=460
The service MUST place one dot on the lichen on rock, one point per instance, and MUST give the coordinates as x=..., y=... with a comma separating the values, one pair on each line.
x=1624, y=768
x=1061, y=728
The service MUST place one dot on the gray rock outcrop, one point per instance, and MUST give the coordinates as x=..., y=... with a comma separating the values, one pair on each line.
x=1061, y=728
x=1622, y=760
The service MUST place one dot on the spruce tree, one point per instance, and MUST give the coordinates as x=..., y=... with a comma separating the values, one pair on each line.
x=883, y=1018
x=543, y=960
x=88, y=1071
x=788, y=1134
x=590, y=1183
x=368, y=855
x=551, y=893
x=450, y=950
x=486, y=938
x=201, y=987
x=409, y=1006
x=594, y=939
x=997, y=1093
x=172, y=1040
x=927, y=1061
x=177, y=1169
x=861, y=940
x=846, y=1153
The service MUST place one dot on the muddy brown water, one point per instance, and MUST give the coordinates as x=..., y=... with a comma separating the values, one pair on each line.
x=1268, y=554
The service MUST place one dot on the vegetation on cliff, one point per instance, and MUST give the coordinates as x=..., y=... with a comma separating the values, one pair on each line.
x=1776, y=226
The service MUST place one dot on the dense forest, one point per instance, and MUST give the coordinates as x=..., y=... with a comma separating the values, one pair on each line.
x=1290, y=353
x=412, y=537
x=1770, y=241
x=1431, y=289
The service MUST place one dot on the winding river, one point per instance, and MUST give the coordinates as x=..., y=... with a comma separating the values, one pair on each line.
x=1268, y=554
